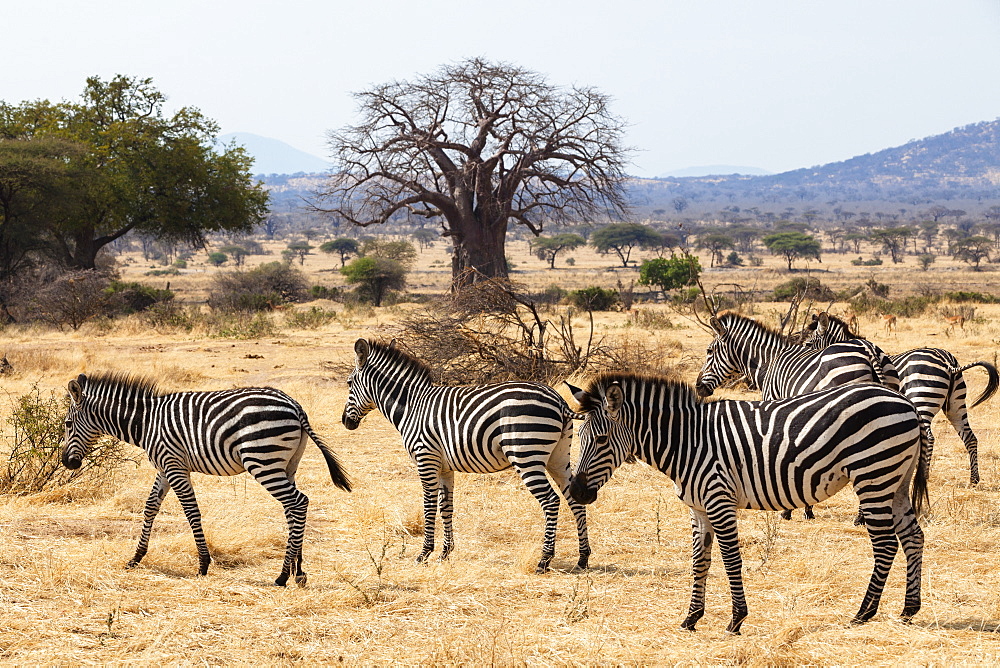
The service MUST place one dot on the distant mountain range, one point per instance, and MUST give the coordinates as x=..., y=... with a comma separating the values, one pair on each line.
x=709, y=170
x=272, y=156
x=961, y=165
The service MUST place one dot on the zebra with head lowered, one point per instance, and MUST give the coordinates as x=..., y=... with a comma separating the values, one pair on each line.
x=259, y=430
x=929, y=377
x=471, y=429
x=781, y=368
x=764, y=455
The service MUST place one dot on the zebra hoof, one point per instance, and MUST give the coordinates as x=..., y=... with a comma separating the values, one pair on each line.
x=908, y=612
x=133, y=563
x=689, y=622
x=422, y=558
x=281, y=580
x=300, y=579
x=859, y=521
x=583, y=563
x=544, y=564
x=786, y=514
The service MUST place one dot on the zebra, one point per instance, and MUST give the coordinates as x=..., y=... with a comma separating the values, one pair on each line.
x=471, y=429
x=780, y=368
x=259, y=430
x=930, y=377
x=764, y=455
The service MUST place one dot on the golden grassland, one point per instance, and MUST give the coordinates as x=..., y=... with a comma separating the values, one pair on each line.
x=65, y=597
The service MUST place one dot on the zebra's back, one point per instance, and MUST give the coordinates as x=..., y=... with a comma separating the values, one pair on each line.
x=225, y=431
x=479, y=429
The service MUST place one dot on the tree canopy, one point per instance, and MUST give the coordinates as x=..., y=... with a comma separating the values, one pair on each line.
x=133, y=168
x=477, y=145
x=793, y=245
x=548, y=248
x=622, y=238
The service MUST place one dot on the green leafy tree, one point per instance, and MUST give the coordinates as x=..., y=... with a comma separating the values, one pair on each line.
x=141, y=170
x=479, y=146
x=670, y=273
x=892, y=240
x=548, y=248
x=622, y=238
x=375, y=277
x=400, y=251
x=299, y=250
x=715, y=242
x=424, y=238
x=217, y=259
x=973, y=250
x=793, y=245
x=343, y=246
x=237, y=253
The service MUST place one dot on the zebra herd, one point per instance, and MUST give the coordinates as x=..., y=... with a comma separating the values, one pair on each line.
x=836, y=410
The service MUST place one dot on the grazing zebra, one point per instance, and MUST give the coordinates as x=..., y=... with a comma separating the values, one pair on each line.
x=474, y=429
x=259, y=430
x=764, y=455
x=780, y=368
x=929, y=377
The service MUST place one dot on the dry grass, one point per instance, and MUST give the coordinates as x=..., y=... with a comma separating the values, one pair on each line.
x=66, y=598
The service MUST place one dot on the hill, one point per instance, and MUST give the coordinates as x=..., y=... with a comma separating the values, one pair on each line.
x=272, y=156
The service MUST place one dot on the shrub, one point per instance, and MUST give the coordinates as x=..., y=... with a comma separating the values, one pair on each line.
x=375, y=277
x=323, y=292
x=35, y=438
x=977, y=297
x=594, y=299
x=810, y=288
x=71, y=298
x=310, y=319
x=874, y=262
x=217, y=259
x=127, y=298
x=551, y=295
x=670, y=273
x=263, y=288
x=926, y=260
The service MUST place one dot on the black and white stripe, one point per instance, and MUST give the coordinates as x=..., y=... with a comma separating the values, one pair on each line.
x=929, y=377
x=474, y=429
x=259, y=430
x=765, y=455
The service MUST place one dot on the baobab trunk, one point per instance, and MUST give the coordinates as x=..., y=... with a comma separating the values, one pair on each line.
x=479, y=253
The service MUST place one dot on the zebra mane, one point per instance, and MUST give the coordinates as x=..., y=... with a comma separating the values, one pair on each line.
x=122, y=380
x=396, y=356
x=731, y=319
x=596, y=388
x=837, y=321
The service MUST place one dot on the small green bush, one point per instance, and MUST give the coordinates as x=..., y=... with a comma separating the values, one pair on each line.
x=312, y=318
x=37, y=428
x=874, y=262
x=323, y=292
x=594, y=299
x=551, y=295
x=263, y=288
x=170, y=271
x=976, y=297
x=127, y=298
x=812, y=288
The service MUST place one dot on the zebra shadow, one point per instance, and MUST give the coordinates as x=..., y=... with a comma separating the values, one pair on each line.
x=654, y=572
x=970, y=624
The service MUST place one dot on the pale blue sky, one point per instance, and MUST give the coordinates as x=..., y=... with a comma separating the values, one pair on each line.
x=776, y=84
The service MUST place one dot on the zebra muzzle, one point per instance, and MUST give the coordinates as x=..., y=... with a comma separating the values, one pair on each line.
x=579, y=491
x=71, y=462
x=349, y=422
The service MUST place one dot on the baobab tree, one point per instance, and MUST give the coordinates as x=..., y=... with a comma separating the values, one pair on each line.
x=477, y=145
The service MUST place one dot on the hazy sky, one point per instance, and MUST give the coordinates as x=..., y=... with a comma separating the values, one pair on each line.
x=776, y=84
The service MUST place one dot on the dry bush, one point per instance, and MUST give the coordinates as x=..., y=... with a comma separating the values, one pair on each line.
x=34, y=463
x=492, y=332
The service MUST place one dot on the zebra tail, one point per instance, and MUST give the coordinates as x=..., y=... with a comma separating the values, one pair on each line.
x=919, y=496
x=992, y=384
x=337, y=473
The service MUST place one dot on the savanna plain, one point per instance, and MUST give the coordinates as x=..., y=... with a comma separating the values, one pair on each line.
x=66, y=597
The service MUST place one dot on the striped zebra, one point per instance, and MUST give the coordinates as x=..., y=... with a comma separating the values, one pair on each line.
x=259, y=430
x=780, y=367
x=764, y=455
x=929, y=377
x=473, y=429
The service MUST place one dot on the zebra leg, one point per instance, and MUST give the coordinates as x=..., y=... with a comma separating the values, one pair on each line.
x=701, y=560
x=958, y=415
x=430, y=485
x=807, y=513
x=911, y=536
x=153, y=503
x=538, y=484
x=558, y=467
x=723, y=519
x=446, y=495
x=180, y=482
x=879, y=520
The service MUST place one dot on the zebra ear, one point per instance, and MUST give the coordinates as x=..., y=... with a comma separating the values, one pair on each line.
x=76, y=389
x=578, y=394
x=362, y=350
x=822, y=322
x=717, y=325
x=613, y=399
x=392, y=344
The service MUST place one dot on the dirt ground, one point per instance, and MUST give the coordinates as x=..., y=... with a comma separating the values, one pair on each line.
x=66, y=598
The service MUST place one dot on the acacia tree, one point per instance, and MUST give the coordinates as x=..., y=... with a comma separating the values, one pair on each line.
x=140, y=170
x=623, y=237
x=478, y=145
x=548, y=248
x=793, y=245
